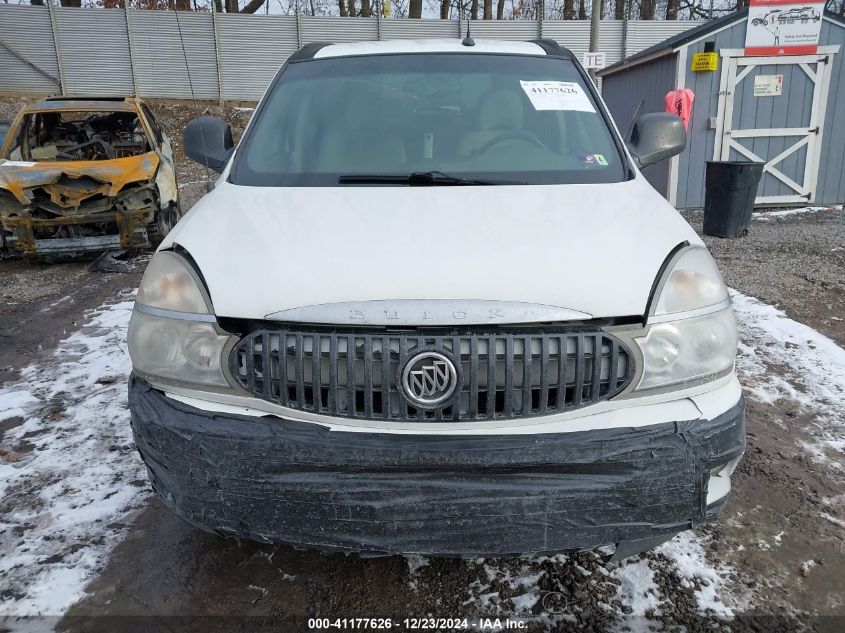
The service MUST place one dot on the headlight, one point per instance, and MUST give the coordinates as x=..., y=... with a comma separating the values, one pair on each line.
x=691, y=282
x=173, y=335
x=170, y=284
x=688, y=351
x=691, y=334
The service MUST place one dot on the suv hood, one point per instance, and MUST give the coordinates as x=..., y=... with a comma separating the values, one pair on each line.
x=591, y=249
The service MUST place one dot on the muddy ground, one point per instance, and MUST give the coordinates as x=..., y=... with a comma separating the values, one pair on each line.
x=166, y=576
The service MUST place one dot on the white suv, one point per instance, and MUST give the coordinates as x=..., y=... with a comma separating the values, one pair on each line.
x=432, y=306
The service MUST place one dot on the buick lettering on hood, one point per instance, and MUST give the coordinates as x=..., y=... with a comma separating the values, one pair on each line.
x=432, y=306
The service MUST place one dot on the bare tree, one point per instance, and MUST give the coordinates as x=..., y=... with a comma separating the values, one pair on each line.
x=672, y=7
x=473, y=10
x=350, y=8
x=414, y=9
x=582, y=10
x=366, y=9
x=488, y=9
x=341, y=5
x=619, y=9
x=500, y=10
x=647, y=8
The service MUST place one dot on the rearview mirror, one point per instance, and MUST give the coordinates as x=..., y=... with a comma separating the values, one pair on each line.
x=657, y=136
x=208, y=141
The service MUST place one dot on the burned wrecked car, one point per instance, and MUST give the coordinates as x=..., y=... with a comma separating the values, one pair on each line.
x=86, y=175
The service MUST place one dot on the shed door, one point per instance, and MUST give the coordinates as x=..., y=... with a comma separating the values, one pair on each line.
x=781, y=130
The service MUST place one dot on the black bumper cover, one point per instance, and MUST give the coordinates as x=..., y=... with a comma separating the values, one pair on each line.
x=275, y=480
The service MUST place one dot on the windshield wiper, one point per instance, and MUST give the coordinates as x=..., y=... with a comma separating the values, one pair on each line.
x=419, y=179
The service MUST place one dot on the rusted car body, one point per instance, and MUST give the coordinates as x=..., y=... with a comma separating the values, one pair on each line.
x=82, y=175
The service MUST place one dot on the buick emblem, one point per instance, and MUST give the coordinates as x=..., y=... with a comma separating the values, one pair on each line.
x=429, y=379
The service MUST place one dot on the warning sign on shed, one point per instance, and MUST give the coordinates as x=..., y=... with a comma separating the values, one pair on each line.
x=768, y=85
x=705, y=62
x=783, y=27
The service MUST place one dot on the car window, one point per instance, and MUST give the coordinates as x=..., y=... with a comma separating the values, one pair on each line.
x=61, y=136
x=504, y=118
x=153, y=123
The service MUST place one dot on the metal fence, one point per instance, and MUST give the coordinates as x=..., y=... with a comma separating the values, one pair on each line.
x=46, y=49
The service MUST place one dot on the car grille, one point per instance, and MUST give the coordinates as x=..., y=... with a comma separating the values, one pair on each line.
x=500, y=375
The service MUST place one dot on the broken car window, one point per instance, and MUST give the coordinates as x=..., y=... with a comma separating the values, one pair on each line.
x=60, y=136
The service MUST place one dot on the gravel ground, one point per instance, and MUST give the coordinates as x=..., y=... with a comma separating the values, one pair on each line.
x=793, y=261
x=775, y=557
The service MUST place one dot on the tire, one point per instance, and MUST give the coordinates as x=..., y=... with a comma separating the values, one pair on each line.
x=163, y=223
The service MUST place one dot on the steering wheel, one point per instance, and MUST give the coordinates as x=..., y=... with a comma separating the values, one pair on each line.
x=521, y=135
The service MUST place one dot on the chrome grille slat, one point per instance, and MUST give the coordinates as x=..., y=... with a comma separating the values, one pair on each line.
x=506, y=374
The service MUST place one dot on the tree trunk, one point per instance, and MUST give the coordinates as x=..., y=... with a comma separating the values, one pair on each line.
x=473, y=10
x=500, y=10
x=582, y=10
x=350, y=8
x=568, y=9
x=252, y=6
x=488, y=9
x=672, y=9
x=37, y=3
x=647, y=9
x=444, y=9
x=218, y=6
x=71, y=3
x=341, y=5
x=366, y=9
x=415, y=9
x=619, y=9
x=231, y=6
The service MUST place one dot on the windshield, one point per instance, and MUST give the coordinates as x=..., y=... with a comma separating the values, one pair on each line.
x=500, y=119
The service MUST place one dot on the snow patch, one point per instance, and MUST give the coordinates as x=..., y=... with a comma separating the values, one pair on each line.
x=771, y=215
x=637, y=589
x=415, y=563
x=78, y=478
x=781, y=358
x=15, y=403
x=686, y=552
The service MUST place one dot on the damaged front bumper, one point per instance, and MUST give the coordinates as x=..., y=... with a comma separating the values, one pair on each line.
x=131, y=232
x=275, y=480
x=78, y=206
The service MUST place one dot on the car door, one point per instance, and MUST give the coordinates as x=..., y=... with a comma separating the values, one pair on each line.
x=166, y=178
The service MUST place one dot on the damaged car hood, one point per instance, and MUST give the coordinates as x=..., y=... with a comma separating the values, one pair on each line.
x=71, y=182
x=586, y=248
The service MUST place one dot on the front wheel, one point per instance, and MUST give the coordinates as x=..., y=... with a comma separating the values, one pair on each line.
x=163, y=223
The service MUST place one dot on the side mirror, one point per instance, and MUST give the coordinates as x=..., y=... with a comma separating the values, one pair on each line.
x=208, y=141
x=657, y=136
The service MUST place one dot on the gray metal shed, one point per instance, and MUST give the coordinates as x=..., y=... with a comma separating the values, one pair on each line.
x=799, y=135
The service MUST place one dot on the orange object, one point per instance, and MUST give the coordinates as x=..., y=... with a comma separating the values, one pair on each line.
x=679, y=102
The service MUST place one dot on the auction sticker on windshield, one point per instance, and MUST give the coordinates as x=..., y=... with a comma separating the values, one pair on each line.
x=557, y=95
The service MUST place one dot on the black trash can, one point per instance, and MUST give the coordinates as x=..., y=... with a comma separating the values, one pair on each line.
x=730, y=188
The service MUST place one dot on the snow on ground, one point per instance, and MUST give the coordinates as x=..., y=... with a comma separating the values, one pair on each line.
x=771, y=215
x=70, y=478
x=778, y=359
x=782, y=359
